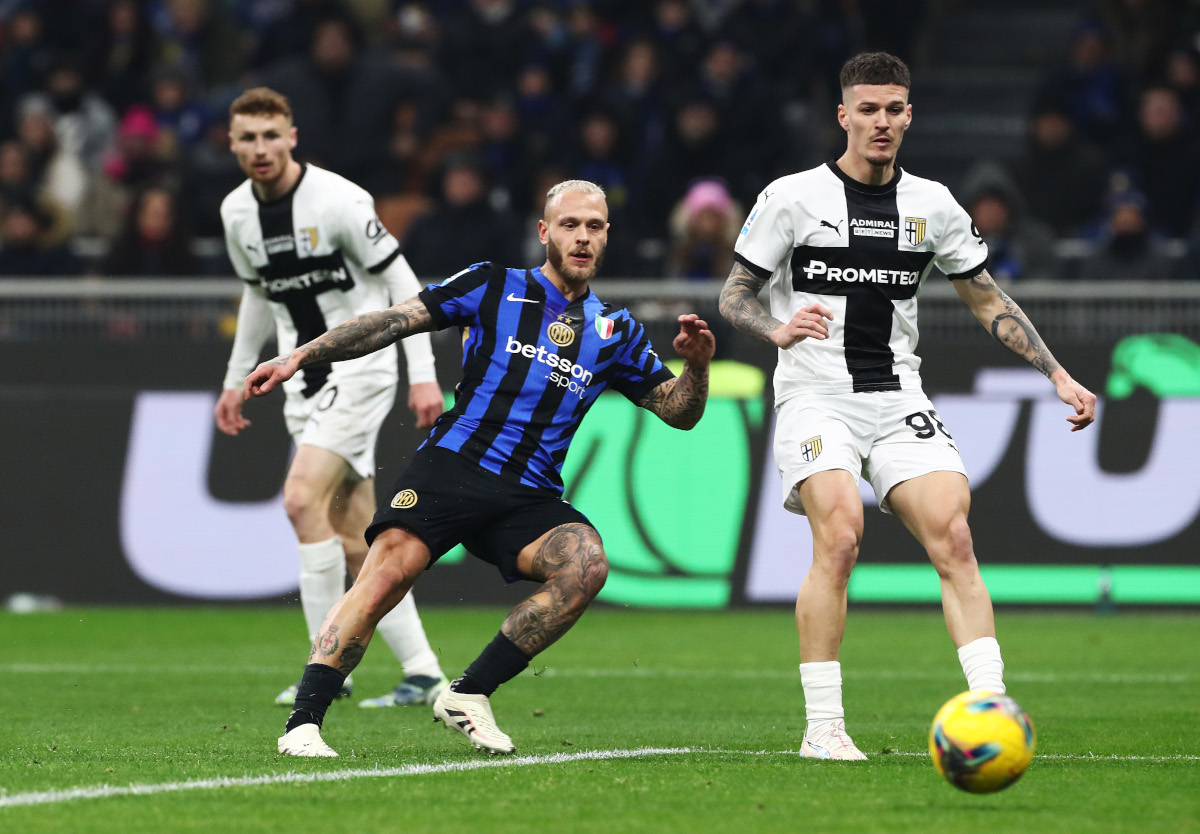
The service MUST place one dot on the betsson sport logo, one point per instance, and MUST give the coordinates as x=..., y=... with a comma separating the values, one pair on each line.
x=564, y=373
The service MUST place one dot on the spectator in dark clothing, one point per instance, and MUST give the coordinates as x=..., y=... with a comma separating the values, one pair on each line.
x=121, y=52
x=347, y=101
x=27, y=55
x=463, y=229
x=484, y=46
x=24, y=250
x=1129, y=250
x=675, y=31
x=636, y=96
x=1061, y=177
x=182, y=117
x=1019, y=247
x=1163, y=158
x=1141, y=32
x=503, y=150
x=1093, y=89
x=784, y=36
x=208, y=173
x=603, y=158
x=154, y=240
x=282, y=32
x=1180, y=71
x=199, y=37
x=545, y=117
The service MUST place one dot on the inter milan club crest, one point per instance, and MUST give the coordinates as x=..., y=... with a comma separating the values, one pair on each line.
x=604, y=326
x=561, y=334
x=811, y=448
x=914, y=230
x=308, y=240
x=404, y=499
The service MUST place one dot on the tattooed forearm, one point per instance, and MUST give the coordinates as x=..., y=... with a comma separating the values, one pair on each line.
x=740, y=305
x=680, y=402
x=367, y=333
x=1008, y=323
x=572, y=563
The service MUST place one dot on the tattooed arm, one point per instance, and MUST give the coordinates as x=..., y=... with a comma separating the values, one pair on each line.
x=352, y=338
x=741, y=307
x=679, y=402
x=1009, y=325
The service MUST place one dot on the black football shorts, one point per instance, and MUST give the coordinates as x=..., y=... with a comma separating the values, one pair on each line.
x=445, y=499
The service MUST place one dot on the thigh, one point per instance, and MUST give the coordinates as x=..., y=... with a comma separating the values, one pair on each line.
x=912, y=441
x=929, y=505
x=320, y=471
x=819, y=434
x=513, y=543
x=351, y=512
x=344, y=419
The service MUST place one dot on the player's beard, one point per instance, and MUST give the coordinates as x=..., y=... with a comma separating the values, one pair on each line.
x=571, y=274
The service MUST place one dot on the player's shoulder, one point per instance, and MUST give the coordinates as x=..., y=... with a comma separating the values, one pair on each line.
x=925, y=187
x=332, y=191
x=796, y=184
x=480, y=273
x=238, y=201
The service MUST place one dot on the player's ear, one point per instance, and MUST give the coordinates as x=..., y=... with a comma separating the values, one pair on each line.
x=293, y=138
x=543, y=232
x=842, y=117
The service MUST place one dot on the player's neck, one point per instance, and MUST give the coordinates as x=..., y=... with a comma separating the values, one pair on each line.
x=273, y=190
x=570, y=291
x=858, y=169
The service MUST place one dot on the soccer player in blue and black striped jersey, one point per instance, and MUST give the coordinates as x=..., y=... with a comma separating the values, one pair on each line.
x=538, y=348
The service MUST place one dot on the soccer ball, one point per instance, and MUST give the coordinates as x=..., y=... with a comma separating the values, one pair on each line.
x=981, y=742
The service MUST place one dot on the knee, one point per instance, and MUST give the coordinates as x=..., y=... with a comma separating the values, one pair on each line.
x=302, y=503
x=588, y=573
x=953, y=550
x=839, y=552
x=387, y=574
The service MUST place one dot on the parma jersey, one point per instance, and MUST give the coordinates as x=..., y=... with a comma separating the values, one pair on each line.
x=862, y=251
x=533, y=364
x=318, y=254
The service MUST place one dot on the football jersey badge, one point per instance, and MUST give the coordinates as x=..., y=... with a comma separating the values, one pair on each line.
x=914, y=230
x=404, y=499
x=810, y=449
x=308, y=240
x=604, y=326
x=561, y=334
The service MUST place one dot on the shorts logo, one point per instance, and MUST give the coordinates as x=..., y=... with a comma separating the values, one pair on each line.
x=561, y=334
x=914, y=230
x=810, y=449
x=405, y=499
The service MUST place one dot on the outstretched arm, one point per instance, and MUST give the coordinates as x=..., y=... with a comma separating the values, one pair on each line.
x=353, y=338
x=1009, y=325
x=740, y=306
x=679, y=402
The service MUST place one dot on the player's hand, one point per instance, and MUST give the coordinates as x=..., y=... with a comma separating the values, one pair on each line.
x=426, y=403
x=808, y=323
x=695, y=343
x=229, y=412
x=265, y=377
x=1076, y=396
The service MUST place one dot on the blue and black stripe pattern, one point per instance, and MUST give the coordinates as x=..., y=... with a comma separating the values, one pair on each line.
x=533, y=364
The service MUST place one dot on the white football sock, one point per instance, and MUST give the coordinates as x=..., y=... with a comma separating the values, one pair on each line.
x=322, y=580
x=401, y=629
x=982, y=665
x=822, y=682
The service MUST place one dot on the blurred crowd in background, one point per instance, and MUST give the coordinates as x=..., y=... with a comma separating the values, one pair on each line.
x=457, y=115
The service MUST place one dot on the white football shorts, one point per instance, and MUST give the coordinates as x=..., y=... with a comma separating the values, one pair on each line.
x=344, y=418
x=886, y=437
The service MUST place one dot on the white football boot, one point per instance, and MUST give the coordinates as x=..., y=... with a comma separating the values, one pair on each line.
x=471, y=715
x=828, y=740
x=305, y=741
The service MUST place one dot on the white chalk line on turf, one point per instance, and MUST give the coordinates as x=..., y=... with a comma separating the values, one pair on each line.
x=634, y=673
x=108, y=791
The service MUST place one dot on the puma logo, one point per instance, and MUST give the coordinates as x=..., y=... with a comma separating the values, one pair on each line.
x=835, y=228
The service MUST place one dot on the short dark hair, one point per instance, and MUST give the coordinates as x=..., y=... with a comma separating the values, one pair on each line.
x=875, y=68
x=261, y=101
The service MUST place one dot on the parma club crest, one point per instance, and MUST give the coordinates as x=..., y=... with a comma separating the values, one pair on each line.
x=810, y=449
x=914, y=230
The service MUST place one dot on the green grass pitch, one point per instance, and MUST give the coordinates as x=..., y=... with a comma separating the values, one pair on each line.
x=173, y=701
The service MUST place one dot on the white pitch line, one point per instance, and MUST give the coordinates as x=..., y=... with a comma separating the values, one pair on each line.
x=627, y=673
x=107, y=791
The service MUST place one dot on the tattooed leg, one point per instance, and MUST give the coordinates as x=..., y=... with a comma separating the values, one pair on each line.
x=571, y=562
x=393, y=564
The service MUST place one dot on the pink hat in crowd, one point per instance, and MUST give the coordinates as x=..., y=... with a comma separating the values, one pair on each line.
x=708, y=194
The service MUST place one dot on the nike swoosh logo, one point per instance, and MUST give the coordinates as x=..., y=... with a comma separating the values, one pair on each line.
x=514, y=297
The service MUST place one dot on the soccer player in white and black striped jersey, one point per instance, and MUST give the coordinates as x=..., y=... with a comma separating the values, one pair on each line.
x=844, y=247
x=312, y=253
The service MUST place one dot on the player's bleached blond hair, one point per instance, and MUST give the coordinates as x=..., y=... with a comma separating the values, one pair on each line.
x=581, y=186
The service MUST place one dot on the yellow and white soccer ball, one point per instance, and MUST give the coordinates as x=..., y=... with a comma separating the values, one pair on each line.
x=981, y=742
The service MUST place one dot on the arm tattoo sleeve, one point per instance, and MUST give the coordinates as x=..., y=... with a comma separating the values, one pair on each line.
x=367, y=333
x=740, y=305
x=1012, y=328
x=679, y=402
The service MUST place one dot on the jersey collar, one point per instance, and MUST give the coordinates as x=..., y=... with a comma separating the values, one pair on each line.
x=862, y=187
x=285, y=196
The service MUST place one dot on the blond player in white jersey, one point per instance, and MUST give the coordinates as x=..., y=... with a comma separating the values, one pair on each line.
x=312, y=253
x=845, y=247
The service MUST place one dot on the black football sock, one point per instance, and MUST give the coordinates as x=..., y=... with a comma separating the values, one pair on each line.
x=319, y=686
x=501, y=661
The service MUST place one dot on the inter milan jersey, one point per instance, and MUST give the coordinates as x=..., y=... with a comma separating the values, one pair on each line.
x=319, y=254
x=862, y=251
x=533, y=364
